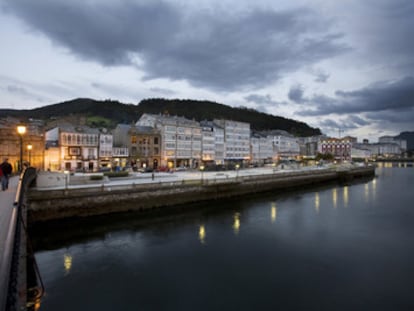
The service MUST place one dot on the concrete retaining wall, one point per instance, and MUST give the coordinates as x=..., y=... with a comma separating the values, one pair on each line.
x=57, y=204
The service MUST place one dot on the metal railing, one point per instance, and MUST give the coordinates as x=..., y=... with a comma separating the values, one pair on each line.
x=14, y=245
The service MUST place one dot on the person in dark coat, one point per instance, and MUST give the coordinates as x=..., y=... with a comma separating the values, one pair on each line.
x=6, y=169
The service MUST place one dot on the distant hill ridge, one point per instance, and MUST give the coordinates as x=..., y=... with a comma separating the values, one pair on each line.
x=118, y=112
x=409, y=137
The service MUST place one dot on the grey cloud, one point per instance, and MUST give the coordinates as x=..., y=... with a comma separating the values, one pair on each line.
x=321, y=77
x=26, y=92
x=386, y=105
x=392, y=96
x=219, y=50
x=263, y=102
x=389, y=95
x=162, y=91
x=358, y=120
x=329, y=123
x=344, y=124
x=296, y=94
x=391, y=24
x=17, y=90
x=398, y=117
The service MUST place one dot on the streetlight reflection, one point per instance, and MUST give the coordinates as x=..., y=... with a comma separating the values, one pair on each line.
x=317, y=202
x=273, y=212
x=334, y=197
x=202, y=234
x=345, y=194
x=67, y=262
x=236, y=223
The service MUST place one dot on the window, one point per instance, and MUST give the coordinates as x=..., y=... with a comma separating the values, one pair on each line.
x=155, y=140
x=133, y=139
x=74, y=151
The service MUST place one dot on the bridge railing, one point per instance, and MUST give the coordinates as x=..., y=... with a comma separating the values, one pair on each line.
x=12, y=280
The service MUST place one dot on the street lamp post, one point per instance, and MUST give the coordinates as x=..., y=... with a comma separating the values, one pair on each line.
x=21, y=129
x=202, y=172
x=29, y=151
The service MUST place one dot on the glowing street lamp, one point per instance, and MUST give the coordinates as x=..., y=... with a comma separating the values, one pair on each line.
x=237, y=171
x=29, y=150
x=21, y=129
x=202, y=172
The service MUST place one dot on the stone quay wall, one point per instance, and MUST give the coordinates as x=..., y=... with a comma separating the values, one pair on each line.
x=46, y=205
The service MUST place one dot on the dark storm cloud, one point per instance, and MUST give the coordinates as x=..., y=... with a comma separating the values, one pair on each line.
x=213, y=49
x=348, y=123
x=389, y=32
x=390, y=96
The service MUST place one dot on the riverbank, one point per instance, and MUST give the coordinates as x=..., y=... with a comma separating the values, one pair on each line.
x=145, y=192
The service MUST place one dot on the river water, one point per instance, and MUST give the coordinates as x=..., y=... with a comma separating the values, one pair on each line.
x=336, y=247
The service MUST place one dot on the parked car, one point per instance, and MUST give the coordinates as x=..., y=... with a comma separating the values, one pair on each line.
x=180, y=169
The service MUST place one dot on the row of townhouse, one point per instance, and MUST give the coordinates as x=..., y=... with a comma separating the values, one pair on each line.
x=157, y=141
x=387, y=146
x=162, y=141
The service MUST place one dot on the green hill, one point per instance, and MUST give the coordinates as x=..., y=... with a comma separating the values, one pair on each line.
x=109, y=113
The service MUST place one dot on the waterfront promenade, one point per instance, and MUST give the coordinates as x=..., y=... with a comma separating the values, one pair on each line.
x=192, y=175
x=81, y=196
x=8, y=215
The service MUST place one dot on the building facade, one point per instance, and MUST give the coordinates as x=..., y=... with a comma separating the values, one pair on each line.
x=30, y=144
x=181, y=139
x=340, y=148
x=262, y=151
x=78, y=148
x=285, y=145
x=236, y=141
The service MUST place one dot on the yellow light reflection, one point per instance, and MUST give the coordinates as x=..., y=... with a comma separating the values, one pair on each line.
x=317, y=202
x=202, y=234
x=374, y=184
x=273, y=212
x=346, y=198
x=236, y=223
x=366, y=187
x=374, y=188
x=67, y=262
x=334, y=197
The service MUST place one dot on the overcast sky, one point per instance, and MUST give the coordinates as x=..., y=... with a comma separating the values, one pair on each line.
x=338, y=65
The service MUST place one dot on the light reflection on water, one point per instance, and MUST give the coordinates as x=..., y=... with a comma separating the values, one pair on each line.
x=273, y=212
x=339, y=247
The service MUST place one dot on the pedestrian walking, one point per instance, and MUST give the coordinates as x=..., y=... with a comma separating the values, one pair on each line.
x=6, y=170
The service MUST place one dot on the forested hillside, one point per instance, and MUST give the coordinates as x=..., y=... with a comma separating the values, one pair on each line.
x=111, y=112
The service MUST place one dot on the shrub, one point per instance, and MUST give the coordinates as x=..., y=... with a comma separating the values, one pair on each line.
x=116, y=174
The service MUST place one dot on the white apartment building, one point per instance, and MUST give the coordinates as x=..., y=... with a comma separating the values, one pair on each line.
x=309, y=145
x=105, y=149
x=78, y=147
x=383, y=140
x=219, y=144
x=285, y=145
x=262, y=149
x=360, y=151
x=236, y=140
x=180, y=139
x=212, y=147
x=208, y=144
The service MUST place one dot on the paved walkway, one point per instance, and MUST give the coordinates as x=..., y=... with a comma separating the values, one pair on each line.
x=7, y=214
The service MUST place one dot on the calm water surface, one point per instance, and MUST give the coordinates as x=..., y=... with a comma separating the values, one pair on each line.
x=331, y=248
